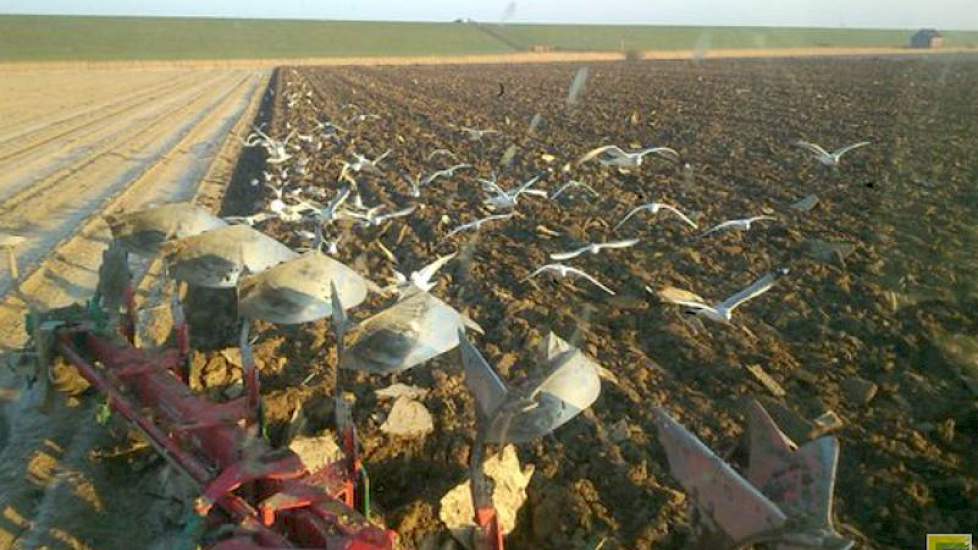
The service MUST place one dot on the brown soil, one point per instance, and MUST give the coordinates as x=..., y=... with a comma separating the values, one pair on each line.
x=885, y=313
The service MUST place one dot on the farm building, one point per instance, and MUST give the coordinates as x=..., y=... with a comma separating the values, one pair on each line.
x=927, y=39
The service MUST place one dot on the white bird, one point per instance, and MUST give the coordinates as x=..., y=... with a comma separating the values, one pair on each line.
x=363, y=163
x=446, y=173
x=420, y=279
x=508, y=199
x=830, y=159
x=594, y=248
x=723, y=311
x=654, y=207
x=562, y=270
x=437, y=152
x=331, y=212
x=414, y=183
x=476, y=135
x=373, y=216
x=616, y=156
x=739, y=225
x=328, y=128
x=574, y=183
x=477, y=224
x=277, y=150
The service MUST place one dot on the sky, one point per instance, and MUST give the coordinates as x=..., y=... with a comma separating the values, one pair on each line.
x=943, y=14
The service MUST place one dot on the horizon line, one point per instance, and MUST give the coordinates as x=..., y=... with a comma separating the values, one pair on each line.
x=466, y=20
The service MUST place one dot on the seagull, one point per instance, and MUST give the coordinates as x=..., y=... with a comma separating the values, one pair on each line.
x=507, y=199
x=437, y=152
x=740, y=225
x=616, y=156
x=574, y=183
x=328, y=128
x=562, y=270
x=446, y=173
x=477, y=224
x=420, y=279
x=415, y=184
x=330, y=213
x=826, y=158
x=373, y=217
x=593, y=248
x=362, y=163
x=723, y=311
x=277, y=150
x=654, y=207
x=476, y=135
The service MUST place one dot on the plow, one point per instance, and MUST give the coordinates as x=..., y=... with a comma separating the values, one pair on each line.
x=268, y=495
x=252, y=495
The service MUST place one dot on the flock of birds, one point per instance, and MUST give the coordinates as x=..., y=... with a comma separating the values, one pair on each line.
x=297, y=203
x=278, y=284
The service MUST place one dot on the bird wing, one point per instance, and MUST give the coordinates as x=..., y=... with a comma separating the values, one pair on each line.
x=491, y=185
x=381, y=157
x=561, y=190
x=339, y=199
x=619, y=244
x=757, y=288
x=451, y=170
x=692, y=303
x=613, y=149
x=428, y=271
x=597, y=283
x=664, y=152
x=680, y=214
x=634, y=211
x=721, y=226
x=548, y=267
x=588, y=188
x=397, y=213
x=839, y=152
x=523, y=188
x=561, y=256
x=817, y=150
x=434, y=176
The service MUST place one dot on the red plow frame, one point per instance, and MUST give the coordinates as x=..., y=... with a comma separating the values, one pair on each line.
x=268, y=494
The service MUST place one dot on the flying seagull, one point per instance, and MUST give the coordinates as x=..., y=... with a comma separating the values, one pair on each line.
x=616, y=156
x=446, y=173
x=593, y=248
x=420, y=279
x=507, y=199
x=740, y=225
x=437, y=152
x=331, y=212
x=653, y=208
x=477, y=224
x=561, y=270
x=574, y=184
x=723, y=311
x=830, y=159
x=373, y=216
